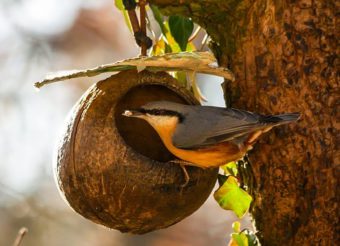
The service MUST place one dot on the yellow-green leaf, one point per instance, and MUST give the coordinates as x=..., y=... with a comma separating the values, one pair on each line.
x=119, y=4
x=171, y=41
x=231, y=197
x=230, y=168
x=191, y=47
x=159, y=47
x=236, y=226
x=240, y=239
x=127, y=20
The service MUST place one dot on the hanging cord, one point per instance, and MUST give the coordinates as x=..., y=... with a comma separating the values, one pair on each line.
x=141, y=38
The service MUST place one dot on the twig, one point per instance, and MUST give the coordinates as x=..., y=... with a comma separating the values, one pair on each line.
x=130, y=7
x=200, y=62
x=142, y=4
x=21, y=233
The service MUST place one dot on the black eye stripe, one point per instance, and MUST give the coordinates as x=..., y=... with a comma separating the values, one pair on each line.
x=164, y=112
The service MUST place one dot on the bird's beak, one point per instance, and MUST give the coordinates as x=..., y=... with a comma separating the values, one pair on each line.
x=132, y=113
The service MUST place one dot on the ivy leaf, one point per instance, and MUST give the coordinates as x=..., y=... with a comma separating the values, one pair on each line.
x=242, y=238
x=172, y=43
x=239, y=239
x=236, y=226
x=230, y=168
x=221, y=179
x=252, y=239
x=231, y=197
x=181, y=29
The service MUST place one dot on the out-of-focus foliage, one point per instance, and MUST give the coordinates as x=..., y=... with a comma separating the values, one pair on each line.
x=120, y=6
x=242, y=238
x=175, y=33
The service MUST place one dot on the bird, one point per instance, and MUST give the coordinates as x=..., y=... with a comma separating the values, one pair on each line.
x=206, y=136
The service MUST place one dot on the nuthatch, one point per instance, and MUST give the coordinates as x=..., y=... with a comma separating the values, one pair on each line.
x=207, y=136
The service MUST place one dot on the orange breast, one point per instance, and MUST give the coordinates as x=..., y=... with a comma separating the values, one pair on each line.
x=211, y=156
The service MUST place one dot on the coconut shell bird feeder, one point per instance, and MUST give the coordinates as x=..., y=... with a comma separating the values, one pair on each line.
x=114, y=170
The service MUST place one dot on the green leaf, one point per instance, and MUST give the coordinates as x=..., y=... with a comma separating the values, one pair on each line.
x=252, y=239
x=172, y=44
x=230, y=168
x=236, y=226
x=240, y=239
x=159, y=47
x=190, y=47
x=221, y=179
x=231, y=197
x=127, y=20
x=181, y=29
x=119, y=4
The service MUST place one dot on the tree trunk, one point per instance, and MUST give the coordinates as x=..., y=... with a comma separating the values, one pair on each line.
x=283, y=54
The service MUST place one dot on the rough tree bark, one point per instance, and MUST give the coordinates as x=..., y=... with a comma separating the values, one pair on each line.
x=284, y=56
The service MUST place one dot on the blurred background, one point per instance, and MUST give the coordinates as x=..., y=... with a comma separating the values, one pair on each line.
x=38, y=37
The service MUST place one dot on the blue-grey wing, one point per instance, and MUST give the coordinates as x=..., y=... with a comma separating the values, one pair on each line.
x=203, y=126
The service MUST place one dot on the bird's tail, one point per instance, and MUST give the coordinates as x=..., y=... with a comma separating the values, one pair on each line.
x=280, y=119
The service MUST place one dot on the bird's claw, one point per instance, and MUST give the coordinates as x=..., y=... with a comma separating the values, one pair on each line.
x=185, y=172
x=186, y=176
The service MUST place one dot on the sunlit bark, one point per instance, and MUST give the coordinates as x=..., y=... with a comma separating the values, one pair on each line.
x=283, y=54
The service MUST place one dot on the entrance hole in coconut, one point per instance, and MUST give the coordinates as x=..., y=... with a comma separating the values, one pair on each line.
x=137, y=133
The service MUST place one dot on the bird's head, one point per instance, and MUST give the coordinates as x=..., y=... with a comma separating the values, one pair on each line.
x=157, y=113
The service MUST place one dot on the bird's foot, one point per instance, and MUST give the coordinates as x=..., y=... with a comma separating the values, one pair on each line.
x=186, y=176
x=185, y=172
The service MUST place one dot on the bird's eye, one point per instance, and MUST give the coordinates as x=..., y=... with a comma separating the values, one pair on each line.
x=155, y=112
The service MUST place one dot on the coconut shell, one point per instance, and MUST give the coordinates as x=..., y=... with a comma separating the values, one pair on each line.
x=114, y=170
